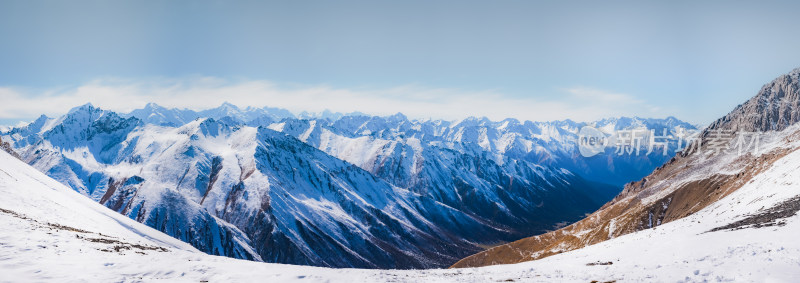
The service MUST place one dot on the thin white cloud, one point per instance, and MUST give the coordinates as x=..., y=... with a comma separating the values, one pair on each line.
x=614, y=103
x=578, y=103
x=601, y=95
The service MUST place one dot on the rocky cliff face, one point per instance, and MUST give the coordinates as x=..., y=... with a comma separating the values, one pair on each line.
x=683, y=186
x=774, y=108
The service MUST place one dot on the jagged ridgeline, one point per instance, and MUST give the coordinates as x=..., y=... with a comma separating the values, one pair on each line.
x=331, y=189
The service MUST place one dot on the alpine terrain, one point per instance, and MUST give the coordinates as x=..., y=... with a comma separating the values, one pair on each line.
x=332, y=189
x=53, y=233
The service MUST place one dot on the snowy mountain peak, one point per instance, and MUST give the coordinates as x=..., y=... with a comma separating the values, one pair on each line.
x=227, y=106
x=86, y=108
x=83, y=115
x=42, y=118
x=152, y=106
x=511, y=121
x=474, y=121
x=226, y=109
x=398, y=117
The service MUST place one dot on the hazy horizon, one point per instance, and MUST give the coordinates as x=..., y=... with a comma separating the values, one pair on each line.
x=579, y=60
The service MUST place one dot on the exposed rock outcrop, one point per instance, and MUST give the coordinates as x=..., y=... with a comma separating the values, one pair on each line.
x=8, y=148
x=774, y=108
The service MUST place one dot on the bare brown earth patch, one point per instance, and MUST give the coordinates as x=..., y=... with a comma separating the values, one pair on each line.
x=117, y=246
x=216, y=167
x=8, y=148
x=599, y=263
x=45, y=224
x=773, y=216
x=112, y=188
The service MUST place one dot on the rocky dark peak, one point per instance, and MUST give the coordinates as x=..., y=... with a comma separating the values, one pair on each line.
x=775, y=107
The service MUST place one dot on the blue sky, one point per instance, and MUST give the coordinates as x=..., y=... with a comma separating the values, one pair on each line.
x=537, y=60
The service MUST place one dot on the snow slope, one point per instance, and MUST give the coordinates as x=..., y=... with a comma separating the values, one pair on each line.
x=36, y=245
x=25, y=189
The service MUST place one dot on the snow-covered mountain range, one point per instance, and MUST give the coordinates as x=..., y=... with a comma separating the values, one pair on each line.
x=702, y=216
x=336, y=190
x=54, y=234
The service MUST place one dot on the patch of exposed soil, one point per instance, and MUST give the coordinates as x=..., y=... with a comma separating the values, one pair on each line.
x=45, y=224
x=774, y=216
x=117, y=246
x=8, y=148
x=599, y=263
x=216, y=167
x=63, y=227
x=114, y=245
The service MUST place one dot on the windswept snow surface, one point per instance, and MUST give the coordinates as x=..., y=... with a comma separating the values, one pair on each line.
x=36, y=245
